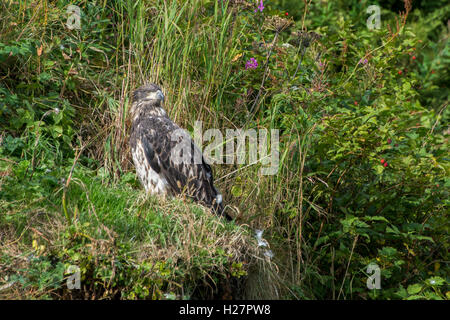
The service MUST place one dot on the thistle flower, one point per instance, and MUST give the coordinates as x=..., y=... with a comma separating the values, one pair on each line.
x=260, y=7
x=251, y=64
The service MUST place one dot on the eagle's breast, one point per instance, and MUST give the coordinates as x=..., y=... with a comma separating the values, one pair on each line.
x=152, y=181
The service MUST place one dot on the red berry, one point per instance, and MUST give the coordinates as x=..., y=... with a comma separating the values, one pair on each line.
x=286, y=13
x=414, y=57
x=385, y=164
x=382, y=161
x=356, y=103
x=400, y=72
x=389, y=141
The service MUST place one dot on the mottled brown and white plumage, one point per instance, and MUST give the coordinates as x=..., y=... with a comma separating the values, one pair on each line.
x=158, y=144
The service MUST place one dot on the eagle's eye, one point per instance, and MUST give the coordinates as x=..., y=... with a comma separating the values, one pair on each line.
x=155, y=95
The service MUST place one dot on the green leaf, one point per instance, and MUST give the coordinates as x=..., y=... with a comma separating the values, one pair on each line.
x=435, y=281
x=375, y=218
x=388, y=251
x=402, y=293
x=414, y=288
x=392, y=229
x=424, y=238
x=415, y=297
x=236, y=191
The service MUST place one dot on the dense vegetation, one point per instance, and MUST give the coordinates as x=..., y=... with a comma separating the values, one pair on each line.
x=364, y=160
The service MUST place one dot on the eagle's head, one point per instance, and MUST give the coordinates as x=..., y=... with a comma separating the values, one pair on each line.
x=147, y=99
x=148, y=92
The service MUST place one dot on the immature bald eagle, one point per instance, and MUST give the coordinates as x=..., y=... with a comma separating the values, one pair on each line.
x=167, y=160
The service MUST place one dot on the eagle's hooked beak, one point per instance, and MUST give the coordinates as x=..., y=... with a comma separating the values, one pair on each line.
x=160, y=95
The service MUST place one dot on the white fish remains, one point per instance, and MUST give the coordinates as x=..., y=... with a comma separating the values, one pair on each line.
x=263, y=243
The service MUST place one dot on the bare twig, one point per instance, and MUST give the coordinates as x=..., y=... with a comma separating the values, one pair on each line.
x=348, y=265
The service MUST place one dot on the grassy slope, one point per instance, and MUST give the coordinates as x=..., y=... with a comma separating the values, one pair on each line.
x=125, y=244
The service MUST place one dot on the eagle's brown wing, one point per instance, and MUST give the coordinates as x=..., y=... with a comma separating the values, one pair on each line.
x=171, y=153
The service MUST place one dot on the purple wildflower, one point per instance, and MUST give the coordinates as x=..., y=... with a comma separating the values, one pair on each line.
x=322, y=63
x=363, y=61
x=251, y=64
x=260, y=6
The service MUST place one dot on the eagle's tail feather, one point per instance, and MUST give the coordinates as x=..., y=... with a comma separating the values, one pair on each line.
x=218, y=207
